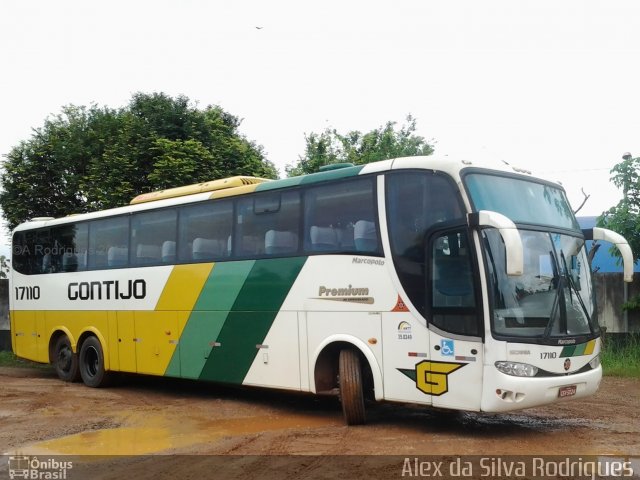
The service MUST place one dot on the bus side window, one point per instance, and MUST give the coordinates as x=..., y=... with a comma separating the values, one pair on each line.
x=23, y=245
x=341, y=218
x=204, y=231
x=149, y=232
x=267, y=224
x=108, y=243
x=70, y=247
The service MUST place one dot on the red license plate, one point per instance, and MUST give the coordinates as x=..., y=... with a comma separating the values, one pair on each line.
x=567, y=391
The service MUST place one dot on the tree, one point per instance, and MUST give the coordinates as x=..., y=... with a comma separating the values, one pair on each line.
x=355, y=147
x=4, y=266
x=89, y=158
x=624, y=218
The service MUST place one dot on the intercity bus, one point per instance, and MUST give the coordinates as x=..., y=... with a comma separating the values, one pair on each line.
x=420, y=280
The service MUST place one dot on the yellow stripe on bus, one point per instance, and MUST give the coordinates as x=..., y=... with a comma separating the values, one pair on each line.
x=589, y=348
x=232, y=192
x=184, y=286
x=158, y=332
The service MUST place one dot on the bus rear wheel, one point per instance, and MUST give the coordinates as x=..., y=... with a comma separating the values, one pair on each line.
x=91, y=363
x=65, y=361
x=351, y=385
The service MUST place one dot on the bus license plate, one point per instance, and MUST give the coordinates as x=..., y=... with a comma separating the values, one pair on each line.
x=567, y=391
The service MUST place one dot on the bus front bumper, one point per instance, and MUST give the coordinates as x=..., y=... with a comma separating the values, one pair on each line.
x=503, y=393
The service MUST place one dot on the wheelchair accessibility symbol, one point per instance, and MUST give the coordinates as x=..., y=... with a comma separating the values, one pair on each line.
x=446, y=348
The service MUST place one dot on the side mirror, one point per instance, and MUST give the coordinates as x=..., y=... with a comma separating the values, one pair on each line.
x=597, y=233
x=509, y=233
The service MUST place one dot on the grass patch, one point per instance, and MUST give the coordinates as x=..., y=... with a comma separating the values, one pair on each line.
x=8, y=359
x=621, y=358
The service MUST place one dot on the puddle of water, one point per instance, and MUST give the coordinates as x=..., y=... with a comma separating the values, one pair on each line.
x=113, y=441
x=152, y=433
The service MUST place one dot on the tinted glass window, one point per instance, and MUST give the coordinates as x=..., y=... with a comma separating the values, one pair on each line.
x=153, y=237
x=342, y=218
x=416, y=202
x=267, y=224
x=205, y=231
x=70, y=248
x=109, y=243
x=521, y=200
x=24, y=258
x=452, y=284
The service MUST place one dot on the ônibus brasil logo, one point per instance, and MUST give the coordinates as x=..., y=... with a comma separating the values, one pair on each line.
x=24, y=466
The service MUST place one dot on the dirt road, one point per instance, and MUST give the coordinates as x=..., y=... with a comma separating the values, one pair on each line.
x=40, y=415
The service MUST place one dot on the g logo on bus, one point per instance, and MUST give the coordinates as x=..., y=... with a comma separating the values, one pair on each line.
x=432, y=377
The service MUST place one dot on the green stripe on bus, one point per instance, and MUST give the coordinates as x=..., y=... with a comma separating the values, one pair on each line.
x=579, y=349
x=252, y=315
x=207, y=318
x=221, y=290
x=567, y=351
x=312, y=178
x=195, y=345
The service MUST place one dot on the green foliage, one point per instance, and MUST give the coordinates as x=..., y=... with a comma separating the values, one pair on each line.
x=632, y=304
x=360, y=148
x=4, y=266
x=8, y=359
x=622, y=359
x=624, y=218
x=90, y=158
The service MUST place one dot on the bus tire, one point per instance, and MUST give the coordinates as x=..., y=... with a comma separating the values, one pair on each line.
x=65, y=361
x=351, y=387
x=91, y=363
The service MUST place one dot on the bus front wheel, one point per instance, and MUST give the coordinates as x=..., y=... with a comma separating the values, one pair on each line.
x=92, y=363
x=65, y=361
x=351, y=386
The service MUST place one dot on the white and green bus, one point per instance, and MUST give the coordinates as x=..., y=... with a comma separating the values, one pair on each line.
x=419, y=280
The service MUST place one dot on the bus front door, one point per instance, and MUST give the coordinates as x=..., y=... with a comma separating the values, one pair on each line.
x=453, y=373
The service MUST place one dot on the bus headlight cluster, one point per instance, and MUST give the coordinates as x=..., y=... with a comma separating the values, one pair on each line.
x=595, y=362
x=517, y=369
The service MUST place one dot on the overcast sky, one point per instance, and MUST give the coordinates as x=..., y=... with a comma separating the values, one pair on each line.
x=547, y=85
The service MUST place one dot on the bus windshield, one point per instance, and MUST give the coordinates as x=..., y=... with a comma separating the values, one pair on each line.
x=552, y=298
x=537, y=203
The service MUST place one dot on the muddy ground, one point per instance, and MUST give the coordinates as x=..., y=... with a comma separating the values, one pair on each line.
x=40, y=415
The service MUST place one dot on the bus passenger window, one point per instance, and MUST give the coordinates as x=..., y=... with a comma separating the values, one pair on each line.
x=108, y=243
x=70, y=242
x=117, y=256
x=341, y=218
x=267, y=224
x=205, y=231
x=149, y=232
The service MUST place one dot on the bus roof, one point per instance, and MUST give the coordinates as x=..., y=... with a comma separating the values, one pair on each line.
x=235, y=186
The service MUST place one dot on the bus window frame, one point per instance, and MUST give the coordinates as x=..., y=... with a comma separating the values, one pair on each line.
x=302, y=226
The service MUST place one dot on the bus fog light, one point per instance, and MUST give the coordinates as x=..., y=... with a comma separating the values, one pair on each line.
x=595, y=362
x=517, y=369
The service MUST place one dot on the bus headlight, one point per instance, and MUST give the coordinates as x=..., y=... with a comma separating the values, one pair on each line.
x=517, y=369
x=595, y=362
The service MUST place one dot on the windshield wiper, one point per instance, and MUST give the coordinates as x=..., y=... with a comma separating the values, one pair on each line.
x=572, y=286
x=558, y=300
